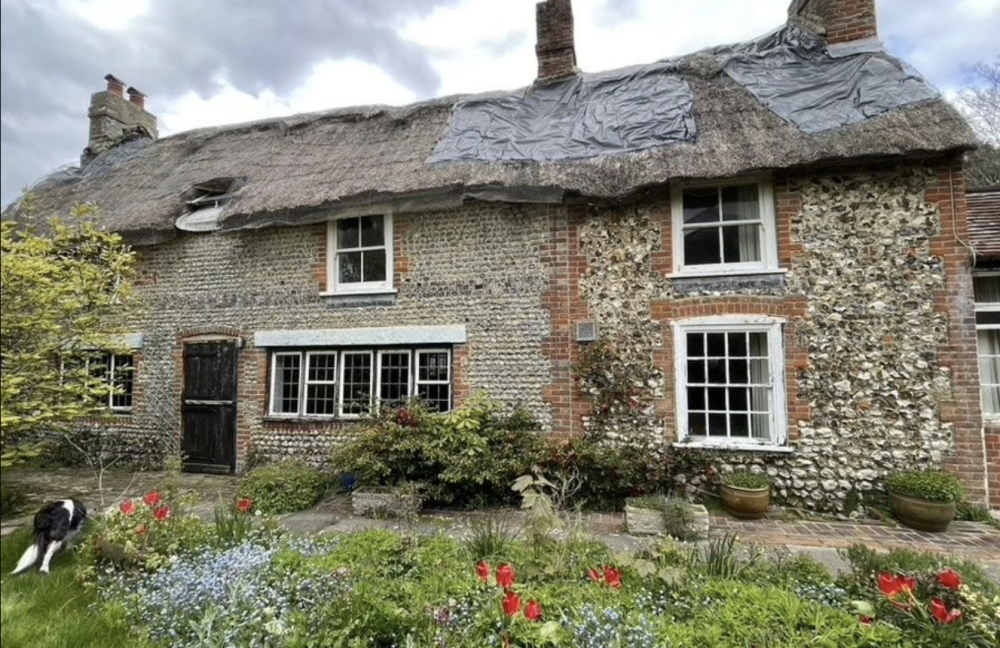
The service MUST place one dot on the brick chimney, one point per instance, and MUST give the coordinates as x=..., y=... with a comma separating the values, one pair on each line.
x=113, y=118
x=840, y=21
x=556, y=49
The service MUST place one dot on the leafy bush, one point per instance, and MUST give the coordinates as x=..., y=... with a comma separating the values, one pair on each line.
x=748, y=481
x=283, y=488
x=147, y=535
x=867, y=564
x=468, y=457
x=932, y=486
x=11, y=500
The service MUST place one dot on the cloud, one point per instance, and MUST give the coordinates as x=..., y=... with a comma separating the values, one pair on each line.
x=205, y=62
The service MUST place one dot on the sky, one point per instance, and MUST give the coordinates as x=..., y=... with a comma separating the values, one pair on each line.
x=211, y=62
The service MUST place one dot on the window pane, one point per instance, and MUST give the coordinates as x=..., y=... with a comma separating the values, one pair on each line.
x=372, y=231
x=124, y=371
x=739, y=425
x=696, y=345
x=395, y=378
x=696, y=372
x=739, y=400
x=740, y=203
x=702, y=247
x=287, y=373
x=741, y=244
x=717, y=372
x=717, y=399
x=737, y=345
x=718, y=425
x=437, y=397
x=321, y=400
x=374, y=266
x=760, y=372
x=760, y=426
x=696, y=399
x=758, y=345
x=348, y=235
x=323, y=367
x=987, y=290
x=433, y=366
x=739, y=372
x=697, y=425
x=350, y=267
x=357, y=384
x=716, y=345
x=701, y=205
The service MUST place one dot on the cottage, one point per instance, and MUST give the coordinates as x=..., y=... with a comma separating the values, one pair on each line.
x=770, y=239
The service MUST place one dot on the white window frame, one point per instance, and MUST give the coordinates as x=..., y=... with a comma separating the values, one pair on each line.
x=274, y=378
x=985, y=308
x=371, y=384
x=410, y=384
x=112, y=367
x=416, y=375
x=774, y=327
x=334, y=287
x=769, y=238
x=306, y=383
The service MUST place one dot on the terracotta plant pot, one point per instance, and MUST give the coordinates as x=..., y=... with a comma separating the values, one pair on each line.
x=922, y=515
x=744, y=503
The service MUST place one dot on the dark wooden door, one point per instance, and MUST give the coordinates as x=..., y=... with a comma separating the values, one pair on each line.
x=209, y=407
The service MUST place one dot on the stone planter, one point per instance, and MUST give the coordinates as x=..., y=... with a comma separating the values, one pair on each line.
x=922, y=515
x=745, y=503
x=385, y=504
x=650, y=522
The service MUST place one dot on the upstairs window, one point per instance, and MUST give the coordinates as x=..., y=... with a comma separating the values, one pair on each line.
x=724, y=229
x=361, y=254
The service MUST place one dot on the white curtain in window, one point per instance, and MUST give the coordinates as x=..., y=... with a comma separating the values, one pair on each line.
x=989, y=368
x=760, y=396
x=748, y=208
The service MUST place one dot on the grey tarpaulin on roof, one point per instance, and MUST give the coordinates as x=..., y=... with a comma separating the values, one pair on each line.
x=586, y=116
x=796, y=76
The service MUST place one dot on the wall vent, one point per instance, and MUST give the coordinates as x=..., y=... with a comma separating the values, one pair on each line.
x=586, y=332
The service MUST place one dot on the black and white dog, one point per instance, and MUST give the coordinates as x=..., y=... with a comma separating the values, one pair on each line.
x=55, y=526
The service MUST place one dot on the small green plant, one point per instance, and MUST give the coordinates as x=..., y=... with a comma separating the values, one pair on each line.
x=722, y=559
x=492, y=538
x=677, y=514
x=283, y=488
x=748, y=481
x=933, y=486
x=867, y=564
x=233, y=522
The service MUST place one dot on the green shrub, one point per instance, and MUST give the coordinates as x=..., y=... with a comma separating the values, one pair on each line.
x=934, y=486
x=467, y=458
x=283, y=488
x=11, y=500
x=866, y=564
x=748, y=481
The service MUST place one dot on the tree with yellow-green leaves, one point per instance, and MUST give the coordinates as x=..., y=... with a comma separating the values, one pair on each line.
x=65, y=285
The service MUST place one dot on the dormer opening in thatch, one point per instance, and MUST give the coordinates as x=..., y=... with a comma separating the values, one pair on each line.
x=205, y=203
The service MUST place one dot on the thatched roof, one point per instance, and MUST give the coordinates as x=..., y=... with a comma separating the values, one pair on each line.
x=984, y=223
x=299, y=169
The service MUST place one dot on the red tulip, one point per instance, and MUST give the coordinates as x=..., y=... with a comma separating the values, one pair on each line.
x=483, y=571
x=595, y=575
x=867, y=621
x=244, y=505
x=950, y=579
x=941, y=613
x=613, y=577
x=127, y=507
x=893, y=586
x=505, y=577
x=162, y=514
x=511, y=604
x=152, y=499
x=533, y=612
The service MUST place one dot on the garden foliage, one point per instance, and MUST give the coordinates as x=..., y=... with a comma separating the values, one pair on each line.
x=283, y=488
x=933, y=486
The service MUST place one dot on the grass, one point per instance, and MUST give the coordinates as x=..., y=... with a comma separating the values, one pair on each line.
x=52, y=611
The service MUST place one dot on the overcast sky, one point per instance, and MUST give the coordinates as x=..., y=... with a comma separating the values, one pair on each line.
x=209, y=62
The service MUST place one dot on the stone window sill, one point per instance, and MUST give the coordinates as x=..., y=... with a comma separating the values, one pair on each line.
x=721, y=274
x=303, y=420
x=723, y=447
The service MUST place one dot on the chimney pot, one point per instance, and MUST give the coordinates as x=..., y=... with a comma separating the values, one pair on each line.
x=137, y=98
x=556, y=47
x=115, y=85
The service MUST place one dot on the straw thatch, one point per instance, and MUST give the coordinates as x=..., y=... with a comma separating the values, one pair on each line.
x=299, y=169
